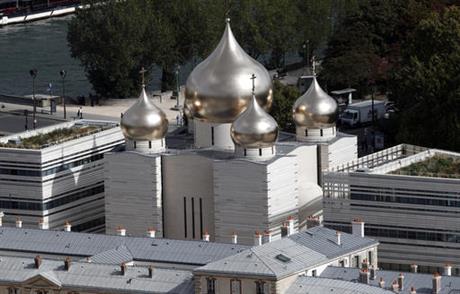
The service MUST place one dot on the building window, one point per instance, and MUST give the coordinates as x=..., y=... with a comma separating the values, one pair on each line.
x=150, y=144
x=306, y=133
x=245, y=152
x=41, y=292
x=313, y=273
x=321, y=132
x=185, y=217
x=212, y=136
x=356, y=261
x=369, y=257
x=13, y=290
x=134, y=143
x=342, y=263
x=260, y=152
x=211, y=285
x=261, y=287
x=193, y=217
x=235, y=287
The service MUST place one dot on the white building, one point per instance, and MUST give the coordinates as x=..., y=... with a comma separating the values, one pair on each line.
x=54, y=175
x=408, y=205
x=235, y=176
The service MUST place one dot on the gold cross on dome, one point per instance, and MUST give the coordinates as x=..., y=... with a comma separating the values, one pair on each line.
x=142, y=72
x=253, y=78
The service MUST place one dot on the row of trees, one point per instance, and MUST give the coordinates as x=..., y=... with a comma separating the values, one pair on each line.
x=408, y=50
x=114, y=39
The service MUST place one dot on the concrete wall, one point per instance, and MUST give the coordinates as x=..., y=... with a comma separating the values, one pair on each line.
x=133, y=193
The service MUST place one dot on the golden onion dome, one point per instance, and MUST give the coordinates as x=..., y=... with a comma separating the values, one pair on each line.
x=144, y=121
x=315, y=108
x=254, y=128
x=219, y=88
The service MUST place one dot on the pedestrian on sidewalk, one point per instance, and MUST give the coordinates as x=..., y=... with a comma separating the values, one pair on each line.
x=80, y=113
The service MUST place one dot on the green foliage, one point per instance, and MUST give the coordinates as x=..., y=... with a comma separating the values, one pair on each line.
x=426, y=86
x=284, y=98
x=438, y=166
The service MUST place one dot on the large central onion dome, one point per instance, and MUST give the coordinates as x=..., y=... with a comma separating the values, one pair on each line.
x=315, y=109
x=254, y=128
x=219, y=88
x=144, y=121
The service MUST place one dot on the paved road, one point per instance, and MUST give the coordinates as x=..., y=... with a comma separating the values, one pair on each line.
x=11, y=123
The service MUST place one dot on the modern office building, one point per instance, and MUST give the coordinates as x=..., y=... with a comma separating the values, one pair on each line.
x=237, y=174
x=55, y=174
x=409, y=198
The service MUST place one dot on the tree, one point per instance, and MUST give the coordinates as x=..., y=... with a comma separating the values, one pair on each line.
x=426, y=87
x=284, y=98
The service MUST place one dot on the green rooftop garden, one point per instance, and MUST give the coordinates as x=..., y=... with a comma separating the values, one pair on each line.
x=442, y=166
x=55, y=137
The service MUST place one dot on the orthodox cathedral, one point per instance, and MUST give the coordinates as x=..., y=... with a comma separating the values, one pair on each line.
x=233, y=174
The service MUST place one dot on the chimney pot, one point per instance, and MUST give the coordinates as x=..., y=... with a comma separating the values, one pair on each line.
x=312, y=221
x=339, y=238
x=151, y=233
x=37, y=261
x=365, y=264
x=121, y=231
x=395, y=287
x=67, y=226
x=150, y=271
x=124, y=269
x=381, y=283
x=364, y=276
x=257, y=239
x=206, y=236
x=413, y=268
x=290, y=225
x=401, y=282
x=2, y=214
x=18, y=222
x=234, y=238
x=447, y=269
x=357, y=227
x=373, y=272
x=67, y=263
x=436, y=283
x=267, y=237
x=413, y=291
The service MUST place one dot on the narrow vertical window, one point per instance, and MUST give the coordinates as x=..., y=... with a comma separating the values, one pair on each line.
x=321, y=132
x=134, y=142
x=212, y=136
x=235, y=287
x=306, y=133
x=193, y=218
x=369, y=257
x=260, y=152
x=245, y=152
x=150, y=144
x=211, y=285
x=201, y=216
x=185, y=217
x=261, y=287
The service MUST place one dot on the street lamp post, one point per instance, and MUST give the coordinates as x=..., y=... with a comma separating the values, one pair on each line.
x=33, y=73
x=63, y=73
x=177, y=86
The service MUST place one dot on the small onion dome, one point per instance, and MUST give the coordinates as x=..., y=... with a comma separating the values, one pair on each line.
x=144, y=121
x=315, y=108
x=219, y=88
x=254, y=128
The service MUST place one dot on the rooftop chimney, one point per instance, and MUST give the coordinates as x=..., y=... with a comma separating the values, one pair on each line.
x=339, y=238
x=151, y=233
x=206, y=236
x=436, y=283
x=67, y=262
x=413, y=268
x=312, y=221
x=267, y=237
x=18, y=222
x=67, y=226
x=121, y=231
x=412, y=290
x=290, y=225
x=124, y=269
x=234, y=238
x=381, y=283
x=364, y=264
x=357, y=227
x=37, y=261
x=395, y=286
x=447, y=269
x=257, y=239
x=42, y=225
x=401, y=282
x=150, y=271
x=364, y=276
x=373, y=272
x=2, y=214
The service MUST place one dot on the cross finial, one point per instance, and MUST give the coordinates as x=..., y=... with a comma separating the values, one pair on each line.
x=253, y=78
x=142, y=72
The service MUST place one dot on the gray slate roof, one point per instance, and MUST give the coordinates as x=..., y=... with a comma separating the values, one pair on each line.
x=305, y=250
x=95, y=277
x=83, y=245
x=421, y=282
x=315, y=285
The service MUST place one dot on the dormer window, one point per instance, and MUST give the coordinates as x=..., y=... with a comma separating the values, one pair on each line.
x=261, y=287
